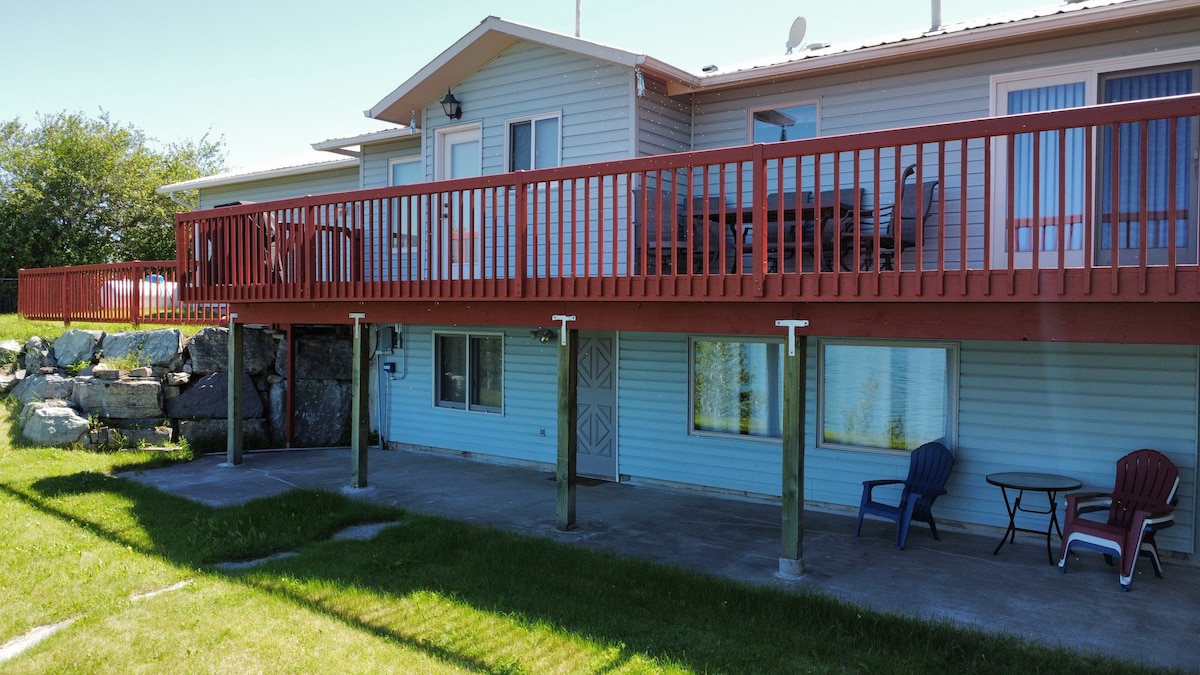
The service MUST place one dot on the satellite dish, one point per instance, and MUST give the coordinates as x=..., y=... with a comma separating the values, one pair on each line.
x=796, y=35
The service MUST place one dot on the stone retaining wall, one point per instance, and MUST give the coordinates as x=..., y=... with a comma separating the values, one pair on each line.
x=154, y=388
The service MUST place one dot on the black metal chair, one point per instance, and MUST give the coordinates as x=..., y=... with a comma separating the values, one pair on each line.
x=664, y=235
x=902, y=222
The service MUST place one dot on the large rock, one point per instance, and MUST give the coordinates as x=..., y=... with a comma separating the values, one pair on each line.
x=209, y=350
x=10, y=351
x=150, y=347
x=324, y=357
x=7, y=382
x=77, y=346
x=322, y=413
x=207, y=436
x=119, y=399
x=277, y=412
x=57, y=426
x=37, y=355
x=208, y=399
x=42, y=388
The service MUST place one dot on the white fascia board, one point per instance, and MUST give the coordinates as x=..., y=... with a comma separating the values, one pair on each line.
x=234, y=178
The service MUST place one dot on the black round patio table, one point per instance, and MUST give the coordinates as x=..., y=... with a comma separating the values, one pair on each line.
x=1029, y=481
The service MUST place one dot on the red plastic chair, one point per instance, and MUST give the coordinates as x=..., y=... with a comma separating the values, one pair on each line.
x=1140, y=503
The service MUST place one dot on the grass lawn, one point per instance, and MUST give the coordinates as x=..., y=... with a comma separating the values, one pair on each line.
x=13, y=327
x=425, y=596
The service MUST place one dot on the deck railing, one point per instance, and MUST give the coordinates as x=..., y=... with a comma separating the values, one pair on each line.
x=1087, y=204
x=134, y=292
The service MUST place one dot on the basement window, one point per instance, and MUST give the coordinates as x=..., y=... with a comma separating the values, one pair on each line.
x=470, y=372
x=886, y=396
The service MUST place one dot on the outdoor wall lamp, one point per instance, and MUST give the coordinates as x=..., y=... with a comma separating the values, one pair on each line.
x=451, y=106
x=543, y=335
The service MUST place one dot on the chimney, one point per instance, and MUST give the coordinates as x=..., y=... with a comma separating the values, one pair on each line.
x=935, y=11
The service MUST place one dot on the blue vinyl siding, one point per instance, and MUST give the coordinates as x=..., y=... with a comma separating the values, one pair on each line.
x=325, y=182
x=375, y=159
x=1068, y=409
x=654, y=441
x=530, y=401
x=594, y=99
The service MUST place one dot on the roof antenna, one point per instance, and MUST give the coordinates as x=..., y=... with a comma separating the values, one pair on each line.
x=796, y=35
x=578, y=11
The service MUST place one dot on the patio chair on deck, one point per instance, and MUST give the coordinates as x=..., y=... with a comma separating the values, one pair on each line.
x=1141, y=502
x=929, y=467
x=901, y=226
x=661, y=234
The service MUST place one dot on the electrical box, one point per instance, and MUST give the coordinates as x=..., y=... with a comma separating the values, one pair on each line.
x=390, y=338
x=389, y=367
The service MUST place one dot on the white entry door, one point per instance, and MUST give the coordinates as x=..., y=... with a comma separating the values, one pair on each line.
x=459, y=155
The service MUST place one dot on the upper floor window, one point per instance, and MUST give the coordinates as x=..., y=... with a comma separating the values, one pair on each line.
x=534, y=143
x=783, y=123
x=886, y=396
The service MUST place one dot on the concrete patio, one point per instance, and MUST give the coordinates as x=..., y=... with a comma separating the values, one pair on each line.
x=957, y=579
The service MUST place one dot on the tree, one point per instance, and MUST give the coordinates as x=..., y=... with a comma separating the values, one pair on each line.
x=75, y=191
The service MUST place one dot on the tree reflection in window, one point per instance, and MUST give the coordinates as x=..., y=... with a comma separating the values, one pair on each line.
x=736, y=388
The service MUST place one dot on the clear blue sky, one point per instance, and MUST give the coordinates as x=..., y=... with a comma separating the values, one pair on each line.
x=273, y=77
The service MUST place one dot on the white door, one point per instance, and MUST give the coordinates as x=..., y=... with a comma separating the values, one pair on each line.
x=459, y=155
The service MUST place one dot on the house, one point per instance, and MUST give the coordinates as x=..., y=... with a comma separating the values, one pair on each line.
x=582, y=266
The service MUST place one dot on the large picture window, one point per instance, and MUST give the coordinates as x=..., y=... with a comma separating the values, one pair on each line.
x=470, y=372
x=737, y=388
x=886, y=397
x=1049, y=211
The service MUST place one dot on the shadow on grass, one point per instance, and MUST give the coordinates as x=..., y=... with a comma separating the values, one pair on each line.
x=628, y=608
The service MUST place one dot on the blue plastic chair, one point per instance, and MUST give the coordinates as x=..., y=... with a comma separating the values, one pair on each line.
x=929, y=467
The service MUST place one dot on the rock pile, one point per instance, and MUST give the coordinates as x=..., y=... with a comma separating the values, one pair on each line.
x=154, y=388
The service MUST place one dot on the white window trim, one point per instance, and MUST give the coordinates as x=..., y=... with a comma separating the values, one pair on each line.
x=815, y=102
x=1087, y=69
x=691, y=385
x=532, y=119
x=435, y=376
x=403, y=159
x=439, y=145
x=1088, y=72
x=953, y=365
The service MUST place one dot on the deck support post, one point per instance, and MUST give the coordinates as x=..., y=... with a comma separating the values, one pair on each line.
x=791, y=556
x=568, y=361
x=360, y=419
x=233, y=402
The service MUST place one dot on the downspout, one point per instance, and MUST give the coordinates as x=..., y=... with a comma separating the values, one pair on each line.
x=177, y=200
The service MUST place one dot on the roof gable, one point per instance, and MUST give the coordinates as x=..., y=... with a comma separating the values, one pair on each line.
x=491, y=37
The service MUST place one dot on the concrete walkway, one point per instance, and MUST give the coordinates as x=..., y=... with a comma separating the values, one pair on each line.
x=956, y=579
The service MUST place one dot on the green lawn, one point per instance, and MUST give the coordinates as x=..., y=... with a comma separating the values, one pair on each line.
x=425, y=596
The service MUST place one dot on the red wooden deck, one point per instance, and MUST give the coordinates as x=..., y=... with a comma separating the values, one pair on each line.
x=535, y=242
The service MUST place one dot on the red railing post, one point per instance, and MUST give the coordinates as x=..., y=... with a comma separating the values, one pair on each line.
x=521, y=202
x=758, y=201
